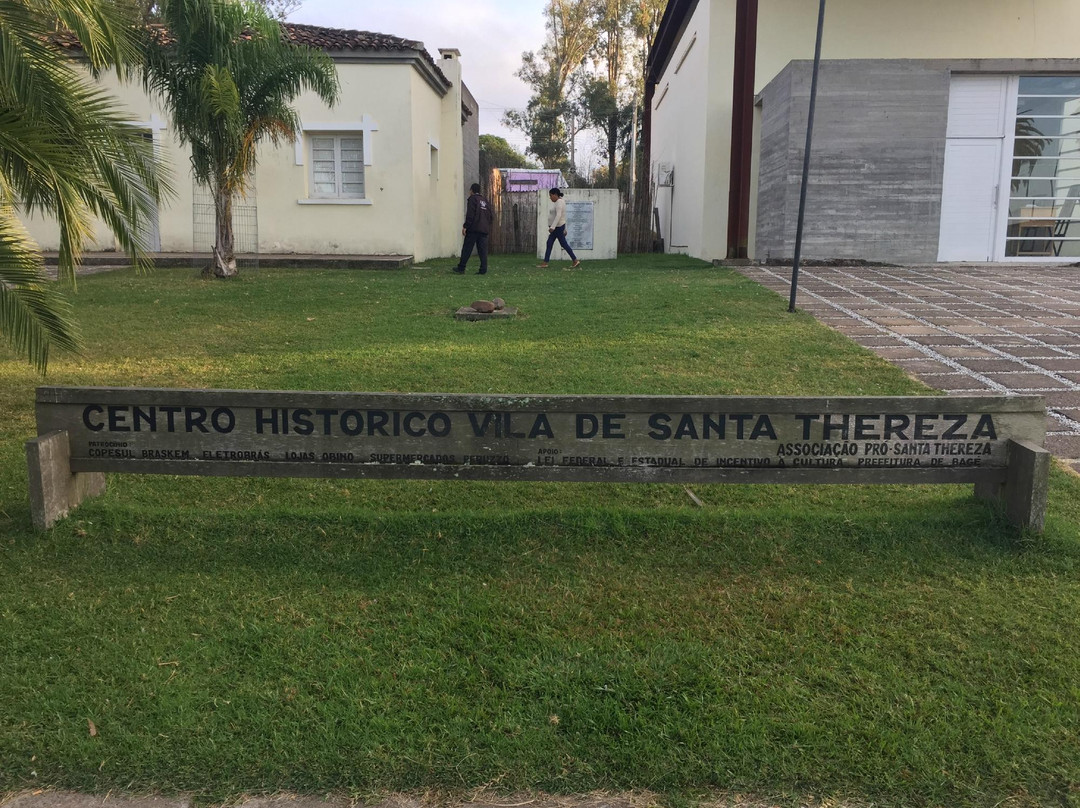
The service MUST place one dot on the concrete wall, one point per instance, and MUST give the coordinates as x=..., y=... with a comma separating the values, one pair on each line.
x=692, y=125
x=878, y=160
x=916, y=29
x=470, y=138
x=680, y=134
x=175, y=230
x=406, y=210
x=605, y=202
x=290, y=221
x=450, y=202
x=913, y=29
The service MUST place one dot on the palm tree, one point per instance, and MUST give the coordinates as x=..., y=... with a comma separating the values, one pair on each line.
x=67, y=153
x=226, y=73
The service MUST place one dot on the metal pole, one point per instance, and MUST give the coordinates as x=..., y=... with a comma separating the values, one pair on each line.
x=806, y=159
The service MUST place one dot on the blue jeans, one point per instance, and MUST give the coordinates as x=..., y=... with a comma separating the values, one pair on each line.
x=558, y=234
x=480, y=242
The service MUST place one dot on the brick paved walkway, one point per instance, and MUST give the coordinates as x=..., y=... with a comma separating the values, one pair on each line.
x=970, y=329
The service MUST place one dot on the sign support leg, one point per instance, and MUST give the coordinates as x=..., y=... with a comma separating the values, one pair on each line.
x=54, y=490
x=1024, y=492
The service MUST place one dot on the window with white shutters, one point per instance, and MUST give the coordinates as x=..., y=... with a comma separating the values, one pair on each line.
x=337, y=166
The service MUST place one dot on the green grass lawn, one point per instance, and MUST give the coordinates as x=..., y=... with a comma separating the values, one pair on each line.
x=234, y=635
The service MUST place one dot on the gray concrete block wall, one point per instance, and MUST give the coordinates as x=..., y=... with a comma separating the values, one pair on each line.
x=773, y=162
x=877, y=164
x=470, y=126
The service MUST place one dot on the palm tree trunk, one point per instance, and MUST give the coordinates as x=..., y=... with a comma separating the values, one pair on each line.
x=224, y=239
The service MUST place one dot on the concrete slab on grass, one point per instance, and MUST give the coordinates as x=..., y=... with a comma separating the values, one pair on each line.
x=473, y=316
x=65, y=799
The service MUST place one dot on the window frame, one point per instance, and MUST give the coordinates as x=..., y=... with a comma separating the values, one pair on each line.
x=339, y=194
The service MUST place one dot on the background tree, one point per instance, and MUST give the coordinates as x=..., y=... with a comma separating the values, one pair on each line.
x=570, y=37
x=496, y=152
x=150, y=10
x=227, y=74
x=280, y=9
x=589, y=75
x=67, y=153
x=608, y=109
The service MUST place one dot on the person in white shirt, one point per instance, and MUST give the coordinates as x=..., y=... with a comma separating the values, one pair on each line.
x=557, y=228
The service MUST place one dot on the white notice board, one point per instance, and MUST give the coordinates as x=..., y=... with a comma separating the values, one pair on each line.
x=580, y=224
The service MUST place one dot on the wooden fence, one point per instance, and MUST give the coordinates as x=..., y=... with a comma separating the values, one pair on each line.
x=514, y=228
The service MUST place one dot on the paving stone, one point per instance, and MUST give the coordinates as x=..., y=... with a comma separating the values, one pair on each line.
x=947, y=322
x=916, y=331
x=1067, y=446
x=995, y=366
x=952, y=381
x=1061, y=339
x=882, y=341
x=1010, y=330
x=1030, y=351
x=892, y=354
x=857, y=332
x=921, y=366
x=962, y=352
x=895, y=322
x=972, y=390
x=869, y=314
x=944, y=340
x=978, y=331
x=1037, y=332
x=1065, y=400
x=1021, y=381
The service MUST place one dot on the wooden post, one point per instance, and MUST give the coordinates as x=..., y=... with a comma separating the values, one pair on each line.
x=54, y=489
x=1027, y=485
x=1024, y=490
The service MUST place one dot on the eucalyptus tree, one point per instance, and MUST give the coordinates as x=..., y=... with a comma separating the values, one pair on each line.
x=227, y=73
x=571, y=35
x=66, y=153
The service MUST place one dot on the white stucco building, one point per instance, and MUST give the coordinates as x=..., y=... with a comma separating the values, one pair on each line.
x=946, y=129
x=380, y=173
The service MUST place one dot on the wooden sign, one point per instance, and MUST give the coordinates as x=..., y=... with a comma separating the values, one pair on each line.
x=557, y=438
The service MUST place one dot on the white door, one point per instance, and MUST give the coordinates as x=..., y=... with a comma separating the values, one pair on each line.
x=974, y=154
x=969, y=202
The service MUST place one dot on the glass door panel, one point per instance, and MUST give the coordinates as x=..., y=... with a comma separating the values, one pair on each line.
x=1044, y=217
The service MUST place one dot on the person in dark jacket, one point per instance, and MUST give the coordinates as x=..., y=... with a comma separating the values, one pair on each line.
x=478, y=219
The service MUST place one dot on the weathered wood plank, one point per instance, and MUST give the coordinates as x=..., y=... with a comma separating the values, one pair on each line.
x=645, y=439
x=625, y=474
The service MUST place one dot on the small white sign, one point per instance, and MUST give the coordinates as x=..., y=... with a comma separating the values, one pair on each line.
x=580, y=219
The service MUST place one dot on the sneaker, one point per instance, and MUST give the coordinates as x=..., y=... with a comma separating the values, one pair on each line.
x=541, y=266
x=482, y=272
x=575, y=264
x=459, y=271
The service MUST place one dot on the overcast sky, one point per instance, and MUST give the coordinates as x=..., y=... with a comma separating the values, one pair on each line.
x=491, y=35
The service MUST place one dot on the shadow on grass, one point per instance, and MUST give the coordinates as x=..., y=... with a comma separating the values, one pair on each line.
x=773, y=648
x=672, y=541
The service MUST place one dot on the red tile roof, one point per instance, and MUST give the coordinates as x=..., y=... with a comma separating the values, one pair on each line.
x=329, y=39
x=341, y=39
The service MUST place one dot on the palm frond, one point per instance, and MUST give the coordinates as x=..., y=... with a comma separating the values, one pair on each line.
x=34, y=315
x=226, y=74
x=66, y=153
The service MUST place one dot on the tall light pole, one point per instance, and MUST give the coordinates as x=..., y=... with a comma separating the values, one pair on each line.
x=806, y=159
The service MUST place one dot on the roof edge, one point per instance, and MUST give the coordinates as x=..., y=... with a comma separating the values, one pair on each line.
x=672, y=27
